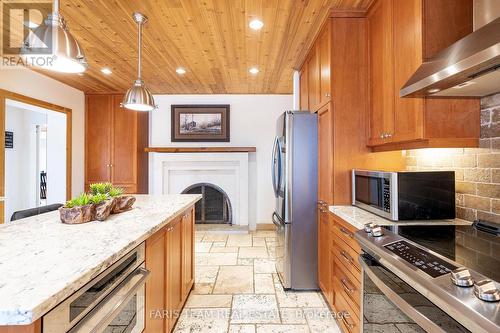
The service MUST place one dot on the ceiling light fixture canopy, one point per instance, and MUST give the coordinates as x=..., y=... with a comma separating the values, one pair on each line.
x=139, y=98
x=67, y=55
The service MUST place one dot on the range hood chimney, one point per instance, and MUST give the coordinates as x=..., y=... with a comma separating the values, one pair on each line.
x=468, y=68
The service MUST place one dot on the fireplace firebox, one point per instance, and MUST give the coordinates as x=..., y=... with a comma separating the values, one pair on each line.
x=214, y=206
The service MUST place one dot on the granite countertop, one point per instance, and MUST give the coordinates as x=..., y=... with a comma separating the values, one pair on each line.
x=358, y=217
x=43, y=261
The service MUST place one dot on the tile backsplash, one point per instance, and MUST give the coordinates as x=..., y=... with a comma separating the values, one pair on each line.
x=477, y=170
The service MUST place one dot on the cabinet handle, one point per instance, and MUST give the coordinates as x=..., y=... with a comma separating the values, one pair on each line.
x=343, y=316
x=346, y=257
x=343, y=281
x=346, y=232
x=327, y=94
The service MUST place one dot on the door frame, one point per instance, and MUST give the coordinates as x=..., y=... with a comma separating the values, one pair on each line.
x=5, y=95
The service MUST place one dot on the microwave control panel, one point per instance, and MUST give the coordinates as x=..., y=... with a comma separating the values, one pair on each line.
x=386, y=195
x=421, y=259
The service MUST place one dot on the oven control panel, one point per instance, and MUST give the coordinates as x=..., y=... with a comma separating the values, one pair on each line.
x=421, y=259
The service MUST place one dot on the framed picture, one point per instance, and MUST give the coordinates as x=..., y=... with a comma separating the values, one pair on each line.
x=200, y=123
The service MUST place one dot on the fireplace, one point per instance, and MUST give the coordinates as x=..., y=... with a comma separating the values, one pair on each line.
x=174, y=173
x=214, y=207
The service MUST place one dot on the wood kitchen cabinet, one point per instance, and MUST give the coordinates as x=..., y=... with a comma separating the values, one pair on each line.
x=174, y=265
x=324, y=260
x=170, y=259
x=346, y=273
x=115, y=140
x=315, y=76
x=304, y=89
x=188, y=248
x=403, y=34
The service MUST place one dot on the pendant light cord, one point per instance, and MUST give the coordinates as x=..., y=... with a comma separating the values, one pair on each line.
x=140, y=52
x=56, y=7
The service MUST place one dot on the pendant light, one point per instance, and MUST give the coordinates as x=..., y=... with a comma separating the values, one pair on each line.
x=139, y=98
x=66, y=55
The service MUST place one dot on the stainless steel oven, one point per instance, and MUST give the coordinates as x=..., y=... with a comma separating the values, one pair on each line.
x=409, y=288
x=112, y=302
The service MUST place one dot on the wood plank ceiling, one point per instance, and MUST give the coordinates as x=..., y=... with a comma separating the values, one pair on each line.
x=209, y=38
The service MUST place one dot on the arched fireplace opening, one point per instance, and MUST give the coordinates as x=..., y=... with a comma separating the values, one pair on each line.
x=214, y=206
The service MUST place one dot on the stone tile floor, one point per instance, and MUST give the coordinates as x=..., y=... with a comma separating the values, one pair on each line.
x=237, y=289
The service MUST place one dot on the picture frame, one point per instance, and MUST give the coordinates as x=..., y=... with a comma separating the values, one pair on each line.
x=200, y=123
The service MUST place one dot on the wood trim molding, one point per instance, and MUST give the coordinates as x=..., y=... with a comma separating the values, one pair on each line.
x=200, y=149
x=4, y=95
x=429, y=143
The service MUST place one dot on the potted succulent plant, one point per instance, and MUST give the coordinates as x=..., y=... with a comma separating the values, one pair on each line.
x=103, y=206
x=122, y=202
x=100, y=188
x=77, y=210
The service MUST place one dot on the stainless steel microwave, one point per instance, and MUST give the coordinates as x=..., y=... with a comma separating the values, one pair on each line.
x=409, y=195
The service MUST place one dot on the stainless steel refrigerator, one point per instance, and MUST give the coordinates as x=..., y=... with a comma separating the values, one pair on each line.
x=295, y=184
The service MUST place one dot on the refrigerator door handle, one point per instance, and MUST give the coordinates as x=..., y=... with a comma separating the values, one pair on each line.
x=273, y=166
x=276, y=221
x=280, y=168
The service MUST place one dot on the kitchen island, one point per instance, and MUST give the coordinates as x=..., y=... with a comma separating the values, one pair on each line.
x=43, y=261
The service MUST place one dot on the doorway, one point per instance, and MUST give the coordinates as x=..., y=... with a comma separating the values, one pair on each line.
x=35, y=163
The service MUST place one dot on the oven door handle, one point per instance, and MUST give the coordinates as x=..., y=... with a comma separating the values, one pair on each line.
x=99, y=318
x=399, y=302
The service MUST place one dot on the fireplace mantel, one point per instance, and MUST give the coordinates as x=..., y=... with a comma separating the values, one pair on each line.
x=200, y=149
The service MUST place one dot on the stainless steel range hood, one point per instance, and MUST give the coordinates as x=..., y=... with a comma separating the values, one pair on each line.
x=470, y=67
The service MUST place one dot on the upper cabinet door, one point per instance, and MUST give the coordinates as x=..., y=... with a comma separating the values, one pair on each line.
x=324, y=63
x=304, y=88
x=124, y=145
x=314, y=79
x=98, y=136
x=407, y=45
x=381, y=120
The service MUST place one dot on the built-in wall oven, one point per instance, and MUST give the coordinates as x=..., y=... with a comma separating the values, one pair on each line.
x=112, y=302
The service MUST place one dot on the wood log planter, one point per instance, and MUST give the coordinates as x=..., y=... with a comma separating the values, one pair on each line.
x=78, y=210
x=103, y=200
x=123, y=203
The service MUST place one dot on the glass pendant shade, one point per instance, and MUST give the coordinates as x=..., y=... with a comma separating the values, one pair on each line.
x=66, y=54
x=139, y=98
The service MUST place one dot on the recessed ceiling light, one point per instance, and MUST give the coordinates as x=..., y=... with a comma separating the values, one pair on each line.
x=254, y=70
x=180, y=71
x=432, y=91
x=256, y=24
x=106, y=71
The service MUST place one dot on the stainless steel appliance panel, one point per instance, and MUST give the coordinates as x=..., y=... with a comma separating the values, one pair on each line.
x=390, y=304
x=126, y=277
x=296, y=206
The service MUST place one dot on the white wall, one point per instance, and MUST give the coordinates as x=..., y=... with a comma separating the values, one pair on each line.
x=253, y=122
x=56, y=152
x=41, y=87
x=20, y=162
